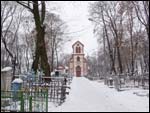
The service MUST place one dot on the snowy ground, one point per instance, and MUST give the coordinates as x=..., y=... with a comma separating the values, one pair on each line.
x=89, y=96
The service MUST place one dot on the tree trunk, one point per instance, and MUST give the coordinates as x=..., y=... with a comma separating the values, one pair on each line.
x=119, y=60
x=52, y=60
x=40, y=53
x=109, y=48
x=56, y=55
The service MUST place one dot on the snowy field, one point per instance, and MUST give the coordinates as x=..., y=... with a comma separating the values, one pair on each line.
x=92, y=96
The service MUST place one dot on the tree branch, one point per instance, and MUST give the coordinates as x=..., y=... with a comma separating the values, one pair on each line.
x=43, y=12
x=26, y=6
x=137, y=12
x=5, y=45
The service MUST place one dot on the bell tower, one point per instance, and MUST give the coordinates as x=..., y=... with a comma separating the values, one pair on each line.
x=78, y=65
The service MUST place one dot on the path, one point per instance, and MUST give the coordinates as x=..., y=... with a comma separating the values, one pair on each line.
x=92, y=96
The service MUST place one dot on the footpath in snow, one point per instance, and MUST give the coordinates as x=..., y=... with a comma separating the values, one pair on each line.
x=89, y=96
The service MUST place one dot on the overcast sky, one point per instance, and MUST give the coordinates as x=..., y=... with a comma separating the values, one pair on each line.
x=75, y=13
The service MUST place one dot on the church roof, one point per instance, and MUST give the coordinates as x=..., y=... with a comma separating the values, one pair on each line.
x=77, y=42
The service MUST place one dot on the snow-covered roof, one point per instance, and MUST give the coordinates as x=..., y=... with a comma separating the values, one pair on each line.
x=6, y=69
x=66, y=67
x=17, y=80
x=52, y=73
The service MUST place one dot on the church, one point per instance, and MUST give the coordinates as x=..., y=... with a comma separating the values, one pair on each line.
x=77, y=63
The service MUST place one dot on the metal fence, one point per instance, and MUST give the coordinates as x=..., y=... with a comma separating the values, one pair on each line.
x=57, y=89
x=35, y=94
x=24, y=101
x=124, y=81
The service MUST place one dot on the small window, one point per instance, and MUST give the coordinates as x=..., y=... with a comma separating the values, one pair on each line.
x=78, y=58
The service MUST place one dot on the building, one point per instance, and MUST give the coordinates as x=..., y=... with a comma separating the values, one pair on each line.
x=77, y=63
x=62, y=69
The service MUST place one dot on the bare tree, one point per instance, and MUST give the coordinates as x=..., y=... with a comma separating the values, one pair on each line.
x=39, y=17
x=98, y=11
x=9, y=32
x=29, y=40
x=7, y=13
x=130, y=24
x=122, y=31
x=55, y=29
x=142, y=12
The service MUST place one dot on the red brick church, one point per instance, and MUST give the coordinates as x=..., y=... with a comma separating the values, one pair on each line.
x=78, y=64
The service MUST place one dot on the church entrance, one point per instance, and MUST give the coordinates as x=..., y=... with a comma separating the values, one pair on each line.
x=78, y=71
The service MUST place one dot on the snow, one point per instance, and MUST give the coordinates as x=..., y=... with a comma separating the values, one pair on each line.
x=17, y=80
x=89, y=96
x=6, y=69
x=52, y=73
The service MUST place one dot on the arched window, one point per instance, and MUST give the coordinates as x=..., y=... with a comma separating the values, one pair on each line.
x=78, y=58
x=77, y=50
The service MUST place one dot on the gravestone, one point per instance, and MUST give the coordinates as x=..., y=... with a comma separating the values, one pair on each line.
x=16, y=86
x=6, y=78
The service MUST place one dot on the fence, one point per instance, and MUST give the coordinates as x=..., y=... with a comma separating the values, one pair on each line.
x=24, y=101
x=125, y=81
x=57, y=89
x=35, y=94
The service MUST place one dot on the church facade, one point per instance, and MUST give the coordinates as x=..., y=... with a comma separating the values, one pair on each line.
x=78, y=64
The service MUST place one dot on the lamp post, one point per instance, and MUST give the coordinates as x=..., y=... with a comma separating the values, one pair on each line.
x=90, y=19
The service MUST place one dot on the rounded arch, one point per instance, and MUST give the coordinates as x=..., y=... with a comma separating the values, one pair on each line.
x=78, y=71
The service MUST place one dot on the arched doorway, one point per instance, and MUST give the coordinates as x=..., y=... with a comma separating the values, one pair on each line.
x=78, y=71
